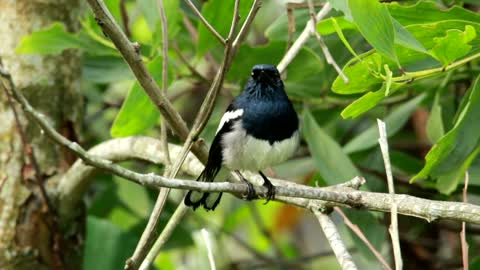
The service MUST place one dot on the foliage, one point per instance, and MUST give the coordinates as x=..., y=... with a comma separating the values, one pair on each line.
x=414, y=64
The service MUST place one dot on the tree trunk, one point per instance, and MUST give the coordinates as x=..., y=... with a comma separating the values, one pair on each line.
x=30, y=236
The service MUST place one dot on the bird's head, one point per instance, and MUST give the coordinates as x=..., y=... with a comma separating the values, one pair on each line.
x=265, y=79
x=265, y=73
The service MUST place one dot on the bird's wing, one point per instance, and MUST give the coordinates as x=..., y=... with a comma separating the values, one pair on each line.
x=231, y=115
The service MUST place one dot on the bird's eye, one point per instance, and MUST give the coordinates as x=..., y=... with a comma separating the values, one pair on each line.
x=252, y=73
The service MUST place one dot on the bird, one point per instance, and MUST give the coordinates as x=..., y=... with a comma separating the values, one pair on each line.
x=260, y=128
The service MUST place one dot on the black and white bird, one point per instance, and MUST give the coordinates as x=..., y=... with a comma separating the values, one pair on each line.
x=259, y=129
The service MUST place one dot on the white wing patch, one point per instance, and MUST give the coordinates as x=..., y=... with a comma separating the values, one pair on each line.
x=229, y=115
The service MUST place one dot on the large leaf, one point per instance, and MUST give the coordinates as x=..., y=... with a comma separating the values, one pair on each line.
x=114, y=245
x=55, y=39
x=394, y=121
x=374, y=22
x=402, y=36
x=105, y=69
x=447, y=183
x=138, y=113
x=327, y=153
x=428, y=12
x=454, y=149
x=51, y=40
x=435, y=128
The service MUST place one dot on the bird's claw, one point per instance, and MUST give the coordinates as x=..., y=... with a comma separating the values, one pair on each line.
x=270, y=192
x=250, y=192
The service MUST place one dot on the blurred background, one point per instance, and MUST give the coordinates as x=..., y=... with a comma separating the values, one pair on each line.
x=339, y=131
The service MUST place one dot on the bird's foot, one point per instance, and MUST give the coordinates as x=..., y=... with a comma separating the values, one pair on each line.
x=270, y=188
x=270, y=191
x=250, y=192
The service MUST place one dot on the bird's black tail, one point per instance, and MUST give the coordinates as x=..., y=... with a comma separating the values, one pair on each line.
x=207, y=199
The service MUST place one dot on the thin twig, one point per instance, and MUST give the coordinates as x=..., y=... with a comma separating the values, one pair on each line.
x=27, y=148
x=131, y=55
x=362, y=237
x=205, y=22
x=192, y=69
x=397, y=253
x=125, y=20
x=163, y=18
x=208, y=245
x=343, y=256
x=146, y=240
x=321, y=43
x=257, y=4
x=199, y=123
x=298, y=44
x=463, y=234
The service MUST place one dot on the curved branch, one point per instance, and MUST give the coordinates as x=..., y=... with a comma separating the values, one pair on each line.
x=73, y=184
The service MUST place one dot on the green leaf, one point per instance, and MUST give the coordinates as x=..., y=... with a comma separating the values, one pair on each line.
x=374, y=22
x=326, y=152
x=363, y=104
x=360, y=75
x=105, y=69
x=172, y=11
x=219, y=14
x=394, y=121
x=435, y=129
x=104, y=238
x=342, y=5
x=454, y=148
x=138, y=113
x=454, y=45
x=424, y=12
x=448, y=183
x=404, y=38
x=51, y=40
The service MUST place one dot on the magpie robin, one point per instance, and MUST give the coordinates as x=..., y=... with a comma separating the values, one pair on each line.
x=259, y=129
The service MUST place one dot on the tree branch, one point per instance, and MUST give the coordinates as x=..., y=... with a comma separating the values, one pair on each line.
x=397, y=252
x=297, y=45
x=287, y=191
x=333, y=237
x=463, y=233
x=204, y=113
x=131, y=55
x=205, y=22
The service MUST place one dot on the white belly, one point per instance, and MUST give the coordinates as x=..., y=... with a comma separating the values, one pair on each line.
x=244, y=152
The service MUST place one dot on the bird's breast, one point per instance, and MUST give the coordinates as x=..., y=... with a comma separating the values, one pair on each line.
x=242, y=151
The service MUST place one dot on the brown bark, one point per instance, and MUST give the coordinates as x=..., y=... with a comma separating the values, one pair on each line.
x=30, y=236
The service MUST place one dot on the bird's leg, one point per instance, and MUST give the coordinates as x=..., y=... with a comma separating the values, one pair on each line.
x=269, y=186
x=250, y=191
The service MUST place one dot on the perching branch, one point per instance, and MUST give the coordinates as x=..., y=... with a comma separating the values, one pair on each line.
x=397, y=253
x=300, y=195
